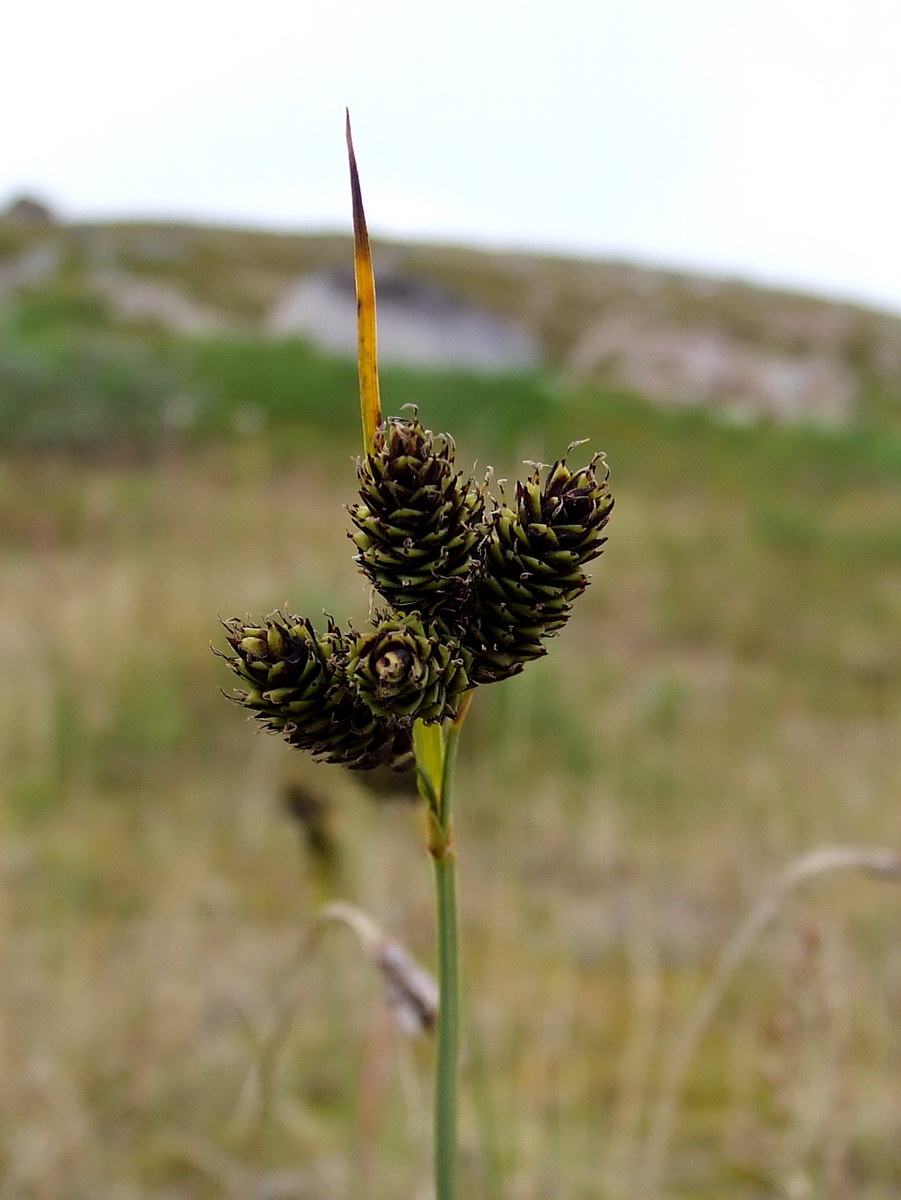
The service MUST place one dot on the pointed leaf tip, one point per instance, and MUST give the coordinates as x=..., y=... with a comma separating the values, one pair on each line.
x=367, y=352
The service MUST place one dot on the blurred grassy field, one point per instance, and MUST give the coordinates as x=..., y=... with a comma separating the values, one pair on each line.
x=727, y=696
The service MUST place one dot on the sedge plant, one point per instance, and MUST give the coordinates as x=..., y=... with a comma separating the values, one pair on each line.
x=471, y=589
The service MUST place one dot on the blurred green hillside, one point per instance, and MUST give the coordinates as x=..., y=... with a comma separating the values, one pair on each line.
x=118, y=334
x=726, y=697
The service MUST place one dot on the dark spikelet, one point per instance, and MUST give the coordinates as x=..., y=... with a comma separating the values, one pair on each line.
x=401, y=671
x=296, y=686
x=532, y=567
x=419, y=523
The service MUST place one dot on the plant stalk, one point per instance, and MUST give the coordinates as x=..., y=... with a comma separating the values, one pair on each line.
x=447, y=1035
x=435, y=756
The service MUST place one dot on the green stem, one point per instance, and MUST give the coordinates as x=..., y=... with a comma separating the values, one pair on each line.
x=435, y=755
x=447, y=1031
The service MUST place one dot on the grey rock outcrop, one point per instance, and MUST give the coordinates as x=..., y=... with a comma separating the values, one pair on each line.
x=419, y=324
x=704, y=366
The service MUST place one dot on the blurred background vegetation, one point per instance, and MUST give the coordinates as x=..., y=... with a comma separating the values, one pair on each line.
x=727, y=696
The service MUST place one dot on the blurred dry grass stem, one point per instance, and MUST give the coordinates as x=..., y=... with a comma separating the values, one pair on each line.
x=410, y=994
x=869, y=860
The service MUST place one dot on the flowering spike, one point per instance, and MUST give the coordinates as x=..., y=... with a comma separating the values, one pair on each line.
x=402, y=672
x=420, y=524
x=295, y=685
x=532, y=569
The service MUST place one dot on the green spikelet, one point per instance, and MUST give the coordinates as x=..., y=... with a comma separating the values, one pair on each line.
x=532, y=570
x=419, y=523
x=402, y=672
x=297, y=687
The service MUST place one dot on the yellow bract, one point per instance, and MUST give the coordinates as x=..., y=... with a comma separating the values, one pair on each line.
x=367, y=353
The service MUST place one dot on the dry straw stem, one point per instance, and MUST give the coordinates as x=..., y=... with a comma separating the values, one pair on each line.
x=411, y=993
x=870, y=860
x=367, y=349
x=635, y=1070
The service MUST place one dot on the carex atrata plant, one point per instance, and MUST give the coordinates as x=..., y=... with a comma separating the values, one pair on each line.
x=472, y=587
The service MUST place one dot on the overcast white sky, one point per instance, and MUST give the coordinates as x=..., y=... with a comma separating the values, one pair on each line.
x=751, y=137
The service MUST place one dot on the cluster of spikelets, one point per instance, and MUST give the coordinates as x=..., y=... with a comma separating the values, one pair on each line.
x=472, y=593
